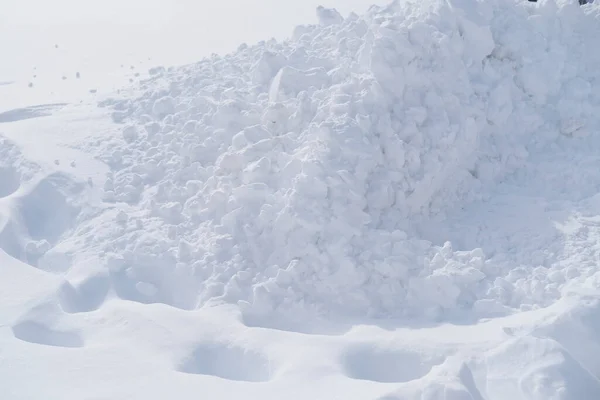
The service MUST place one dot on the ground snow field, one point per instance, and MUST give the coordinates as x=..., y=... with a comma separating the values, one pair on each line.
x=402, y=204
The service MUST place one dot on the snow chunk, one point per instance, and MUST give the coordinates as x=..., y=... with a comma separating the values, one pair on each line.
x=163, y=106
x=329, y=16
x=130, y=133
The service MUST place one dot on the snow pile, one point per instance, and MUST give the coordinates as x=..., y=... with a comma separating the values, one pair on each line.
x=290, y=175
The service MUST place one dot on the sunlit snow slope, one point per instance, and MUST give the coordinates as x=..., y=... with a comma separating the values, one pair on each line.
x=398, y=205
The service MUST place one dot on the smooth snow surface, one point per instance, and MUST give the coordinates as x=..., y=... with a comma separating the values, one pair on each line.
x=398, y=205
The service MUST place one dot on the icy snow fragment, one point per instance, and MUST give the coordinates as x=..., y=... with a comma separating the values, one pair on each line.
x=129, y=133
x=163, y=106
x=122, y=217
x=291, y=81
x=31, y=248
x=329, y=16
x=267, y=66
x=157, y=70
x=43, y=246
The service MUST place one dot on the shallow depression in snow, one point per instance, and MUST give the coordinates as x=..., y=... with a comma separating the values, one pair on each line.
x=34, y=332
x=10, y=181
x=20, y=114
x=38, y=216
x=228, y=362
x=44, y=208
x=379, y=364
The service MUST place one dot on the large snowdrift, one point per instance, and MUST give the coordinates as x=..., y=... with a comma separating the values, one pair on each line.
x=291, y=175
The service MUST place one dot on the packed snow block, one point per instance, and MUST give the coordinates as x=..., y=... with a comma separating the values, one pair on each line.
x=291, y=81
x=386, y=66
x=130, y=133
x=538, y=369
x=152, y=128
x=474, y=19
x=228, y=117
x=500, y=106
x=160, y=70
x=267, y=66
x=249, y=136
x=329, y=16
x=163, y=106
x=275, y=118
x=574, y=109
x=578, y=331
x=84, y=295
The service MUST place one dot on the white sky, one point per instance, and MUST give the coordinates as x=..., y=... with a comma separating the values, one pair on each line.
x=100, y=35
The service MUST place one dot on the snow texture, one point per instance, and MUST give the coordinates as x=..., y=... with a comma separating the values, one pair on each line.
x=402, y=204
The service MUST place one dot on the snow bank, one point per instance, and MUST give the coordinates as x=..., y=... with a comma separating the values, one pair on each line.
x=288, y=176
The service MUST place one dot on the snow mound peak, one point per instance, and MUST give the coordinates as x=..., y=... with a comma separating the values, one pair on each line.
x=289, y=176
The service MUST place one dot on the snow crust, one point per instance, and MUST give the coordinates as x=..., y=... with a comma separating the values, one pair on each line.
x=396, y=205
